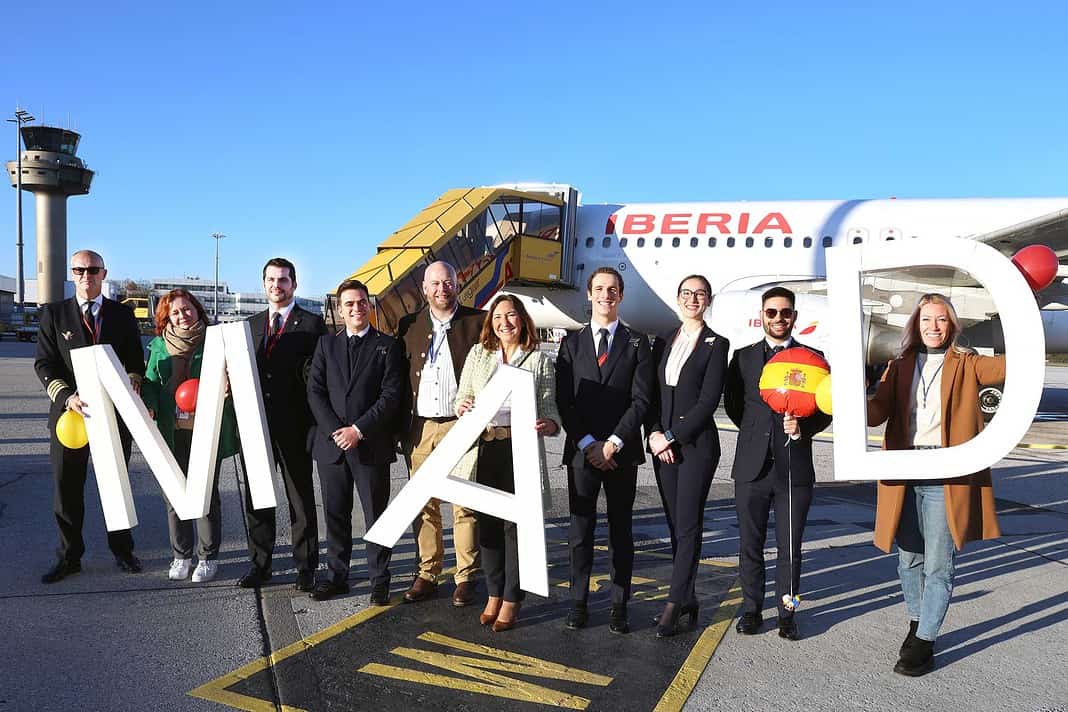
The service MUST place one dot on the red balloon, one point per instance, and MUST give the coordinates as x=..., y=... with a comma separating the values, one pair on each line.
x=789, y=380
x=1038, y=264
x=186, y=395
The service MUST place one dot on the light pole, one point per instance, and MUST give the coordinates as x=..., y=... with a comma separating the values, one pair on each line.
x=21, y=117
x=218, y=238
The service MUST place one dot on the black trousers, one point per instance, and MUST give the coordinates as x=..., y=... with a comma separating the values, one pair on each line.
x=497, y=538
x=583, y=485
x=683, y=490
x=753, y=502
x=69, y=472
x=372, y=483
x=293, y=460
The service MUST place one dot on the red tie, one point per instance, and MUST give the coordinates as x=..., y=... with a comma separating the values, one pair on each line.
x=602, y=348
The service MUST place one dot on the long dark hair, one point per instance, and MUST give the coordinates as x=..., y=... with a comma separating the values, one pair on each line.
x=528, y=340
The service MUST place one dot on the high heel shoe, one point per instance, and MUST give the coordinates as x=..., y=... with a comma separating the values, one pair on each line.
x=487, y=618
x=500, y=626
x=668, y=625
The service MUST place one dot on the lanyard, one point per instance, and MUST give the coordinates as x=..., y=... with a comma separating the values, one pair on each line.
x=925, y=386
x=94, y=332
x=435, y=350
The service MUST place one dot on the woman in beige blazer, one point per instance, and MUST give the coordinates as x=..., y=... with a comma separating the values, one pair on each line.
x=509, y=338
x=929, y=398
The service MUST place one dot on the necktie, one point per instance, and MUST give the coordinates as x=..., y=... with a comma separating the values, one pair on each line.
x=354, y=350
x=90, y=321
x=276, y=323
x=602, y=348
x=775, y=350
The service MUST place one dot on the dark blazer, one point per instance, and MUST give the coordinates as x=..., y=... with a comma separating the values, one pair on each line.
x=367, y=395
x=613, y=400
x=62, y=329
x=415, y=332
x=760, y=428
x=687, y=410
x=284, y=376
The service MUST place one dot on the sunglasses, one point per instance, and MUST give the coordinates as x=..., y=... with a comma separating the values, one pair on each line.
x=787, y=313
x=82, y=270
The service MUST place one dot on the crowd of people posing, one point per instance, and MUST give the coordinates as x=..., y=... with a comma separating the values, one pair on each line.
x=346, y=401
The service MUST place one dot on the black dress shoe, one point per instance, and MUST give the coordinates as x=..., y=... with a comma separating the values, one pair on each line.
x=380, y=595
x=305, y=581
x=254, y=577
x=910, y=638
x=328, y=589
x=749, y=623
x=917, y=660
x=129, y=563
x=577, y=616
x=617, y=619
x=61, y=570
x=788, y=628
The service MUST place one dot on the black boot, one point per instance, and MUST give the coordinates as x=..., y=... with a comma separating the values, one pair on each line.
x=917, y=660
x=910, y=638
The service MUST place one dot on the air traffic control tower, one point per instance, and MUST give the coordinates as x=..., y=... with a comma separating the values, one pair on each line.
x=52, y=171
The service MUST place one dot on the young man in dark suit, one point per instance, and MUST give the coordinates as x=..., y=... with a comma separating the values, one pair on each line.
x=354, y=390
x=87, y=318
x=436, y=340
x=285, y=336
x=772, y=453
x=604, y=385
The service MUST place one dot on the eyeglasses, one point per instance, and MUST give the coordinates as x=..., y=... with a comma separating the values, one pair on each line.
x=82, y=270
x=787, y=313
x=699, y=294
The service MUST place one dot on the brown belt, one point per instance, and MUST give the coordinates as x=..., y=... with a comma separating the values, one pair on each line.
x=495, y=432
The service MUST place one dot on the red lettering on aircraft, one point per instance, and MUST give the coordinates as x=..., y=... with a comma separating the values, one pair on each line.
x=699, y=224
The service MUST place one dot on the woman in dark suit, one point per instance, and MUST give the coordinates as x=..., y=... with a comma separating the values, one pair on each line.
x=691, y=363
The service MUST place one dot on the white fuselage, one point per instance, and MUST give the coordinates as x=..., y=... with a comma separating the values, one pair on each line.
x=743, y=247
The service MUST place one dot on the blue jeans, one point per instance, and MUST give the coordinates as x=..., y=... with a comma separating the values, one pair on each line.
x=926, y=556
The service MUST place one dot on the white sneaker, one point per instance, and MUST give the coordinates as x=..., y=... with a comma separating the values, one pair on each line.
x=180, y=569
x=206, y=571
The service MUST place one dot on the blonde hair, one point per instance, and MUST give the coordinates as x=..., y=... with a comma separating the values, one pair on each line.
x=911, y=339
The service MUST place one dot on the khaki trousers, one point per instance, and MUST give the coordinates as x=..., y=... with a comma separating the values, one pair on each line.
x=424, y=437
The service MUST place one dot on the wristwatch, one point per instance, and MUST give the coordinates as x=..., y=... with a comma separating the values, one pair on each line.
x=670, y=436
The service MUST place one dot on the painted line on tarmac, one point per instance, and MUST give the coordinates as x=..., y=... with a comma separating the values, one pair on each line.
x=829, y=438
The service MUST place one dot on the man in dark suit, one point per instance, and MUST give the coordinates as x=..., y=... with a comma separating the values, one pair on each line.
x=86, y=319
x=354, y=390
x=772, y=453
x=436, y=340
x=604, y=385
x=285, y=336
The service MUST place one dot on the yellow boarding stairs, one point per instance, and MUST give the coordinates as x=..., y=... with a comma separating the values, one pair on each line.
x=492, y=236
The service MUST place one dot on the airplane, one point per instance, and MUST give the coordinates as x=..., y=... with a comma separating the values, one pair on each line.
x=540, y=242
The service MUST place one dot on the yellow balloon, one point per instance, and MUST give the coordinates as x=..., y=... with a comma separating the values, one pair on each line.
x=70, y=429
x=823, y=395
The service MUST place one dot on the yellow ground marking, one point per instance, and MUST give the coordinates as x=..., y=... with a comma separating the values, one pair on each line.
x=215, y=691
x=486, y=682
x=829, y=437
x=690, y=672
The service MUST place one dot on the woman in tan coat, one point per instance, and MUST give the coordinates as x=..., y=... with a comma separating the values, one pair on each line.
x=929, y=398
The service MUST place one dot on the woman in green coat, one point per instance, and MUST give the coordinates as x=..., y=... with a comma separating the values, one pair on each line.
x=174, y=357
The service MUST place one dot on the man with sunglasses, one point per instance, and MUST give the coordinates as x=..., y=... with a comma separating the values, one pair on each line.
x=86, y=319
x=773, y=456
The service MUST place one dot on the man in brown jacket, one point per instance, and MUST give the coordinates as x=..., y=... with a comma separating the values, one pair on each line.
x=436, y=340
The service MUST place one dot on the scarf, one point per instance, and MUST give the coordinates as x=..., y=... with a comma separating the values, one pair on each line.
x=182, y=344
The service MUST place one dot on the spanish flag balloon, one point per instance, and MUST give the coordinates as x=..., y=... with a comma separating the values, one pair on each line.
x=789, y=380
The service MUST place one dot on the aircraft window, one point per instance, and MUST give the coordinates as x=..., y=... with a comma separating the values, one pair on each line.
x=675, y=242
x=857, y=240
x=730, y=242
x=641, y=242
x=711, y=242
x=693, y=242
x=607, y=242
x=807, y=242
x=826, y=240
x=748, y=242
x=889, y=238
x=788, y=242
x=622, y=242
x=768, y=242
x=589, y=242
x=658, y=242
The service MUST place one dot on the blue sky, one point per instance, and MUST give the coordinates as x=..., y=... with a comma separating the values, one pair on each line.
x=314, y=133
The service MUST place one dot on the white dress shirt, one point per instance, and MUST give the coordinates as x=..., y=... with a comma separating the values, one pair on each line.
x=437, y=381
x=586, y=441
x=681, y=348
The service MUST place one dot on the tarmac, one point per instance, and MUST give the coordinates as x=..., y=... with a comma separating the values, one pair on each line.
x=104, y=640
